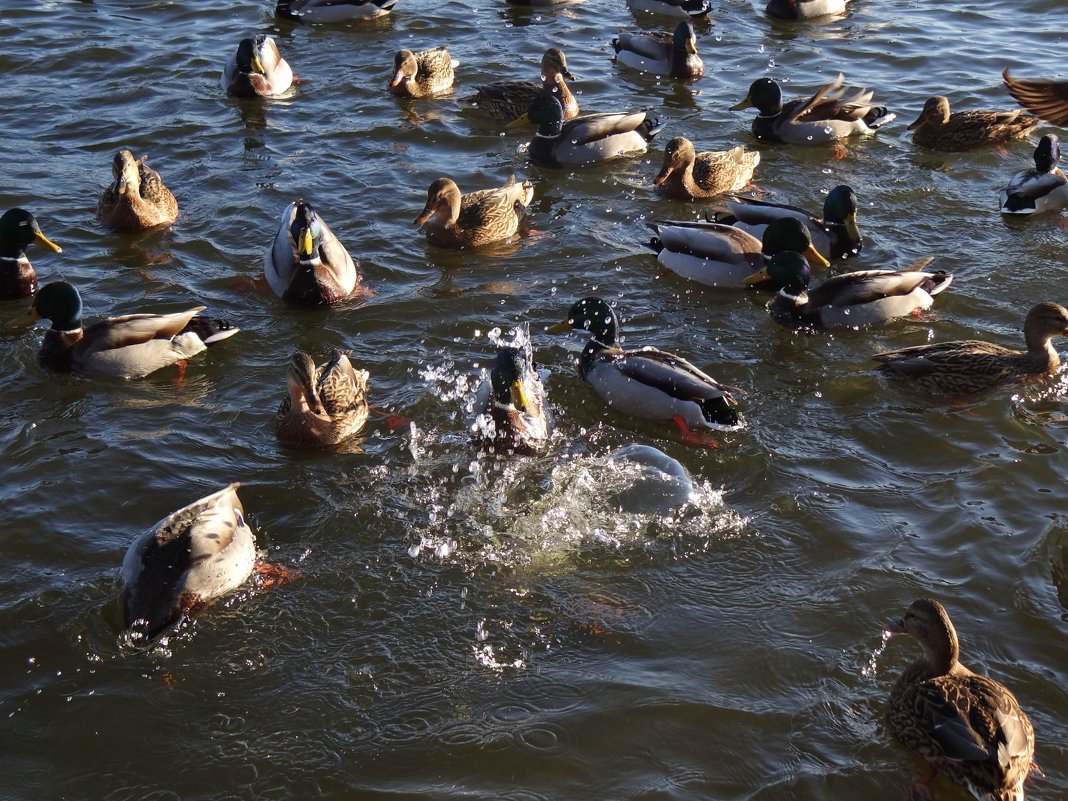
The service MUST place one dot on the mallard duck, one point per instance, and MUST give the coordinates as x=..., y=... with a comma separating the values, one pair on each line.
x=967, y=726
x=474, y=219
x=866, y=297
x=258, y=70
x=201, y=552
x=130, y=346
x=137, y=199
x=671, y=8
x=19, y=230
x=508, y=101
x=1043, y=98
x=307, y=264
x=648, y=384
x=422, y=74
x=589, y=138
x=513, y=416
x=835, y=234
x=689, y=175
x=938, y=129
x=968, y=366
x=672, y=55
x=804, y=9
x=827, y=116
x=723, y=256
x=332, y=10
x=325, y=405
x=1045, y=188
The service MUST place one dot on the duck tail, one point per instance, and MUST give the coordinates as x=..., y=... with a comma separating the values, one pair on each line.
x=385, y=5
x=654, y=244
x=878, y=116
x=938, y=282
x=652, y=126
x=721, y=411
x=1013, y=203
x=210, y=329
x=285, y=9
x=697, y=8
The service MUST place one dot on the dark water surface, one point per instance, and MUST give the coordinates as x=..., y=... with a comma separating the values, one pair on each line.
x=469, y=629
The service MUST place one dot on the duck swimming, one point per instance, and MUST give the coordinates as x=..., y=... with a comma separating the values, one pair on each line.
x=1045, y=188
x=938, y=129
x=508, y=101
x=475, y=219
x=137, y=199
x=327, y=11
x=513, y=416
x=307, y=264
x=671, y=55
x=422, y=74
x=325, y=405
x=18, y=230
x=258, y=69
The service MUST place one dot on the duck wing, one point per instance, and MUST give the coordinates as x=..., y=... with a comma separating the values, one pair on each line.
x=1045, y=99
x=670, y=374
x=588, y=128
x=867, y=286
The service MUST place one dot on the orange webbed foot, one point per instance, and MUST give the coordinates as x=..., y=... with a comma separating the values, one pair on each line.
x=393, y=421
x=692, y=437
x=268, y=575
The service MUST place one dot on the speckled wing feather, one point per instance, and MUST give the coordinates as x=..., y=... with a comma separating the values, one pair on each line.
x=1045, y=99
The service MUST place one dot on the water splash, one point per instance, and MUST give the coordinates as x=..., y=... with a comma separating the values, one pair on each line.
x=871, y=667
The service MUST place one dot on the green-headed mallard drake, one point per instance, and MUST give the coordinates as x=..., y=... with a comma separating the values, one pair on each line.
x=834, y=233
x=671, y=8
x=325, y=405
x=307, y=264
x=724, y=256
x=938, y=129
x=1043, y=98
x=317, y=11
x=508, y=101
x=804, y=9
x=689, y=175
x=201, y=552
x=648, y=384
x=670, y=55
x=422, y=74
x=130, y=346
x=827, y=116
x=589, y=138
x=137, y=199
x=477, y=218
x=1045, y=188
x=513, y=416
x=19, y=230
x=964, y=367
x=967, y=726
x=866, y=297
x=258, y=70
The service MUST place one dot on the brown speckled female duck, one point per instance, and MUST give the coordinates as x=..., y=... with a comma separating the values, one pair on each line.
x=137, y=199
x=325, y=405
x=423, y=74
x=967, y=726
x=474, y=219
x=689, y=175
x=507, y=101
x=19, y=230
x=938, y=129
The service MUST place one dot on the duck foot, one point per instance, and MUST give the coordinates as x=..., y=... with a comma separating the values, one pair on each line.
x=267, y=574
x=920, y=790
x=393, y=421
x=692, y=437
x=839, y=151
x=179, y=379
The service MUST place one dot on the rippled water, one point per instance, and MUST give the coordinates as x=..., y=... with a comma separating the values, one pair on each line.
x=465, y=628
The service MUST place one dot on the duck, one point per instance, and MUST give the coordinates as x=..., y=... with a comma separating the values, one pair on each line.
x=865, y=297
x=1045, y=188
x=422, y=74
x=513, y=416
x=475, y=219
x=130, y=346
x=588, y=138
x=835, y=233
x=508, y=101
x=201, y=552
x=317, y=11
x=18, y=230
x=648, y=384
x=672, y=8
x=1043, y=98
x=689, y=175
x=827, y=116
x=137, y=199
x=723, y=256
x=966, y=367
x=307, y=265
x=937, y=128
x=671, y=55
x=804, y=9
x=258, y=69
x=325, y=405
x=967, y=726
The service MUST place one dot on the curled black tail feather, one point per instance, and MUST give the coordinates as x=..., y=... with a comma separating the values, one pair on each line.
x=879, y=115
x=210, y=329
x=720, y=410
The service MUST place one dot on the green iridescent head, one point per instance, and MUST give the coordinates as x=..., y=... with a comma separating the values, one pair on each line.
x=60, y=303
x=593, y=315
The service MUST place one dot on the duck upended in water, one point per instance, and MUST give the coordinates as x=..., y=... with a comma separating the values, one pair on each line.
x=827, y=116
x=475, y=219
x=422, y=74
x=1045, y=188
x=938, y=129
x=18, y=230
x=671, y=55
x=964, y=367
x=967, y=726
x=325, y=405
x=307, y=264
x=1043, y=98
x=327, y=11
x=137, y=199
x=258, y=69
x=508, y=101
x=648, y=384
x=201, y=552
x=513, y=417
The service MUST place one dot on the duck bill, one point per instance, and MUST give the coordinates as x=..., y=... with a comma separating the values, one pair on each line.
x=307, y=244
x=45, y=242
x=759, y=277
x=914, y=125
x=516, y=123
x=312, y=397
x=691, y=46
x=815, y=257
x=559, y=328
x=895, y=627
x=257, y=65
x=395, y=81
x=428, y=212
x=519, y=396
x=568, y=75
x=745, y=102
x=852, y=229
x=662, y=176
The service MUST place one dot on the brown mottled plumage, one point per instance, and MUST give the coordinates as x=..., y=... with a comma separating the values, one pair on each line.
x=325, y=405
x=507, y=101
x=422, y=74
x=938, y=129
x=689, y=175
x=969, y=727
x=964, y=367
x=1046, y=99
x=137, y=199
x=475, y=219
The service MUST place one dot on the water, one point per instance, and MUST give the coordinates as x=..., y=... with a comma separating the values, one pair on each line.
x=468, y=628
